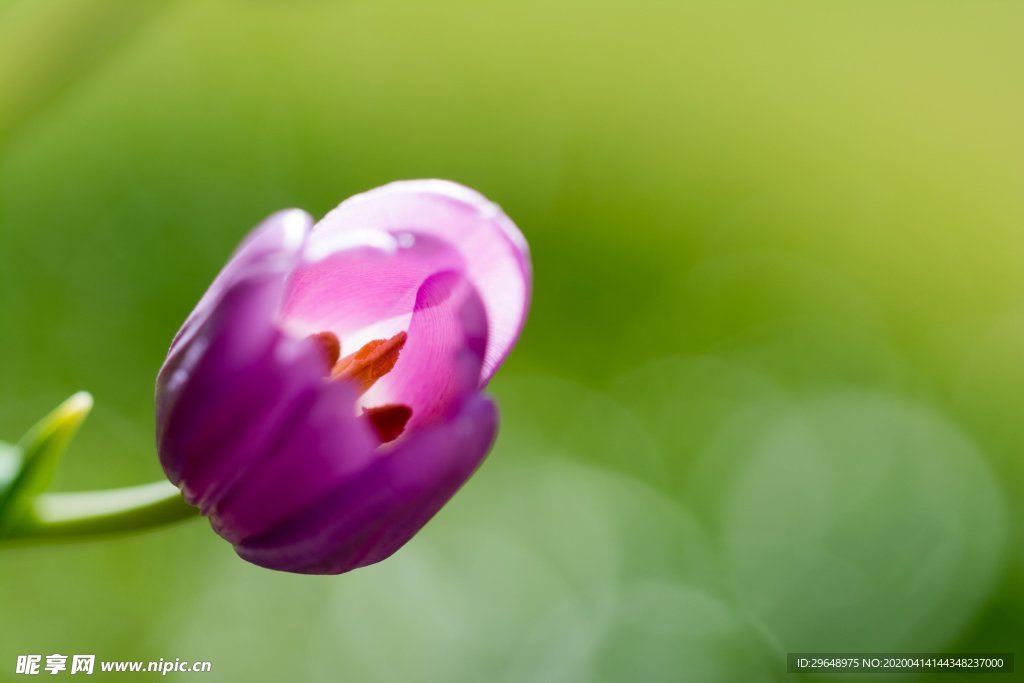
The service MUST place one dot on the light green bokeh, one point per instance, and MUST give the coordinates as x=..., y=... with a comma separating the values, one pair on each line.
x=769, y=396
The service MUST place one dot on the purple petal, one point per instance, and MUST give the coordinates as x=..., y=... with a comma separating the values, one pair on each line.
x=320, y=445
x=228, y=337
x=237, y=391
x=441, y=360
x=373, y=514
x=495, y=254
x=273, y=244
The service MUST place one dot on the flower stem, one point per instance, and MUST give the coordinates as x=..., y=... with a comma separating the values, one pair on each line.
x=56, y=517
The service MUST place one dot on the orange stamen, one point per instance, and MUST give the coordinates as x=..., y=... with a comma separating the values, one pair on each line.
x=370, y=363
x=388, y=422
x=329, y=346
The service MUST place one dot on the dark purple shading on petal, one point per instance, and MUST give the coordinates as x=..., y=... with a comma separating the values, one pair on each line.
x=198, y=400
x=370, y=516
x=239, y=392
x=321, y=445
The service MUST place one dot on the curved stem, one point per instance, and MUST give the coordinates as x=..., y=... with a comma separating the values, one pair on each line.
x=58, y=517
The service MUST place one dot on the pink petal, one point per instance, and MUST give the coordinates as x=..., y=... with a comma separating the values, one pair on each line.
x=440, y=362
x=495, y=254
x=346, y=286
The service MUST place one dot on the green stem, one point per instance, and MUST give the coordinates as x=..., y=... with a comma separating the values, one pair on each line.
x=58, y=517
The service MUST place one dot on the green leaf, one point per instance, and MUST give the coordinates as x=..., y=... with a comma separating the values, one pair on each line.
x=10, y=457
x=30, y=465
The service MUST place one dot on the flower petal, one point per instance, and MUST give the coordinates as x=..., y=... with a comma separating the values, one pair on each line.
x=273, y=246
x=440, y=362
x=319, y=445
x=356, y=288
x=495, y=253
x=372, y=514
x=221, y=350
x=252, y=430
x=238, y=391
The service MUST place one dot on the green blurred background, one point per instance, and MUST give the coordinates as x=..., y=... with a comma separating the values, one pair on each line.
x=769, y=397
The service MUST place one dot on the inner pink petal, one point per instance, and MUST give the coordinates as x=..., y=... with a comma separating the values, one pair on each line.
x=443, y=354
x=493, y=250
x=362, y=291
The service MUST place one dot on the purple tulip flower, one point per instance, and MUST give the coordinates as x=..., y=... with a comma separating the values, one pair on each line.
x=323, y=400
